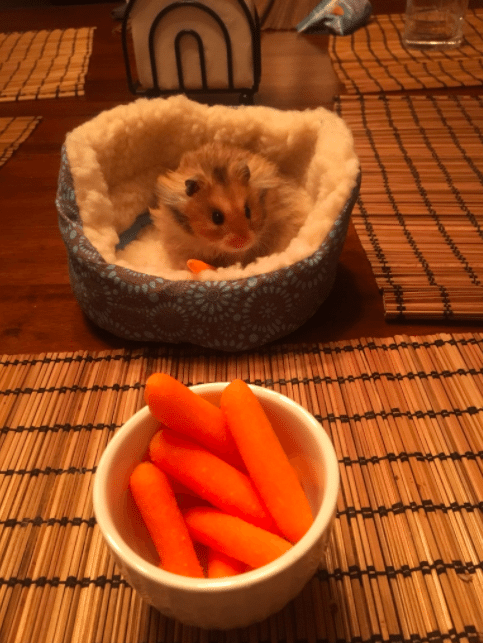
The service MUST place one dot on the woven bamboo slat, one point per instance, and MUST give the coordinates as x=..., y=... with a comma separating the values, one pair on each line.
x=13, y=132
x=420, y=214
x=44, y=64
x=373, y=59
x=405, y=559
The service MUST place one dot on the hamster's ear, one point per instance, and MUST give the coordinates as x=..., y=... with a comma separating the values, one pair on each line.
x=242, y=171
x=192, y=186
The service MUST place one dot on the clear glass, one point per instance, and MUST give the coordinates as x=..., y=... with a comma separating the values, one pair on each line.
x=434, y=24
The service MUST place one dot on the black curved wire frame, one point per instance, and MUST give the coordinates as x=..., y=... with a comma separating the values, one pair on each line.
x=218, y=20
x=201, y=54
x=246, y=93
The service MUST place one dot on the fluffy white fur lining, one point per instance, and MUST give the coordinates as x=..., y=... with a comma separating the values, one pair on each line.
x=116, y=157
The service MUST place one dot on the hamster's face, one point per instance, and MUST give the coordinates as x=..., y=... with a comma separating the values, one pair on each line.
x=229, y=216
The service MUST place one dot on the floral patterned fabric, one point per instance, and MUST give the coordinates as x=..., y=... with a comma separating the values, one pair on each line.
x=227, y=315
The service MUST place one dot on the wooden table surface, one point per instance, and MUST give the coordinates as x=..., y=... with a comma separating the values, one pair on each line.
x=38, y=312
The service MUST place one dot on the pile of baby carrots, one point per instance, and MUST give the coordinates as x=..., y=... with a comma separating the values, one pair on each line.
x=246, y=505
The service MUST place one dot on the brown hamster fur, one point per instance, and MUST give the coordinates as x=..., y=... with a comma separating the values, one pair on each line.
x=226, y=205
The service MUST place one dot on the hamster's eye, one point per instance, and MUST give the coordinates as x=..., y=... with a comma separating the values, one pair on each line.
x=248, y=212
x=217, y=217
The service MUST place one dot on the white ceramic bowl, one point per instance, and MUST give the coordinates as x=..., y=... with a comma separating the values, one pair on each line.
x=233, y=601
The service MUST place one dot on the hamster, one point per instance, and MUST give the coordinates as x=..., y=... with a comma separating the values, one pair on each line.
x=225, y=205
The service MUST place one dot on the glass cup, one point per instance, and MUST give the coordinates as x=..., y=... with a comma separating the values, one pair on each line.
x=434, y=24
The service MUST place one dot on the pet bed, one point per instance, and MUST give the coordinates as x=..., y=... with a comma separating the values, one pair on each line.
x=108, y=171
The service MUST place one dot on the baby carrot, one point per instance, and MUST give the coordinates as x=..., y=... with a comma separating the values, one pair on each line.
x=267, y=463
x=220, y=565
x=234, y=537
x=157, y=504
x=210, y=477
x=179, y=408
x=196, y=266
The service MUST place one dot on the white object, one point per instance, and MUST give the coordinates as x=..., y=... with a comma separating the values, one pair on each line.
x=207, y=18
x=225, y=602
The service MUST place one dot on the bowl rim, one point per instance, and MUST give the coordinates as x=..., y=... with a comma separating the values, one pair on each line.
x=146, y=569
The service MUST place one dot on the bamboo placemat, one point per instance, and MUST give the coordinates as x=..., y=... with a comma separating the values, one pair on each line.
x=420, y=212
x=405, y=560
x=13, y=132
x=44, y=64
x=373, y=58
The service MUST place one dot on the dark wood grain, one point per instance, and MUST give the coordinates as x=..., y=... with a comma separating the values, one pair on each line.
x=38, y=312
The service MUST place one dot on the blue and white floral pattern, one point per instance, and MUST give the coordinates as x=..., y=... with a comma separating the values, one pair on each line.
x=226, y=315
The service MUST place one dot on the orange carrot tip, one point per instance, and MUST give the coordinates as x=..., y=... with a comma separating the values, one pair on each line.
x=220, y=565
x=266, y=462
x=234, y=537
x=196, y=266
x=159, y=510
x=181, y=409
x=208, y=476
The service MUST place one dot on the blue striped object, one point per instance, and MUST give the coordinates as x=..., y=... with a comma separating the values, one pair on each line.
x=337, y=16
